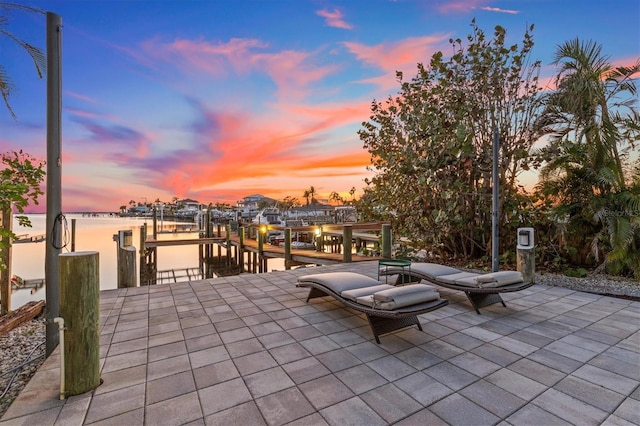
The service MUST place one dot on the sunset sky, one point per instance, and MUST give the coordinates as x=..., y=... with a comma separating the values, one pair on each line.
x=217, y=100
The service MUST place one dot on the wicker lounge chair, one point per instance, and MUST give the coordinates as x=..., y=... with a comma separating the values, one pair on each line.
x=388, y=308
x=481, y=289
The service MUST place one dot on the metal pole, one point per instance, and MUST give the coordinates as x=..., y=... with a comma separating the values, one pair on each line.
x=495, y=214
x=54, y=173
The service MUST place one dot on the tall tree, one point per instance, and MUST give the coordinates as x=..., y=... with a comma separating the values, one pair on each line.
x=431, y=145
x=592, y=125
x=39, y=60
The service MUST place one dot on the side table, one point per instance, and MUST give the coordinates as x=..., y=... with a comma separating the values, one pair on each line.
x=384, y=264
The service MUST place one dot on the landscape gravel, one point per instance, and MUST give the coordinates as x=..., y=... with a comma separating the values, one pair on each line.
x=16, y=345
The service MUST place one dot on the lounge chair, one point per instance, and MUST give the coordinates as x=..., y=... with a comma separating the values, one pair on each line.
x=481, y=289
x=388, y=308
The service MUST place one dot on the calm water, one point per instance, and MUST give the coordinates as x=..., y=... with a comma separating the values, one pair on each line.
x=96, y=234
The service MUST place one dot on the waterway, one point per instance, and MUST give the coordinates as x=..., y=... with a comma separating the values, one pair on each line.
x=95, y=233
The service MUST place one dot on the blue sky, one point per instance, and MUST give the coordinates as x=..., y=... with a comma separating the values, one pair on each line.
x=216, y=100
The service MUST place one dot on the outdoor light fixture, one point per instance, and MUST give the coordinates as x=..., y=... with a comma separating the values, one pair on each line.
x=525, y=238
x=318, y=231
x=263, y=229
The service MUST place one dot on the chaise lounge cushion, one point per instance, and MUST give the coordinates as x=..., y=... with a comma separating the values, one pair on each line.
x=341, y=281
x=365, y=291
x=433, y=270
x=493, y=279
x=400, y=297
x=458, y=278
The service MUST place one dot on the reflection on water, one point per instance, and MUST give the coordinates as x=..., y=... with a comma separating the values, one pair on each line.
x=96, y=234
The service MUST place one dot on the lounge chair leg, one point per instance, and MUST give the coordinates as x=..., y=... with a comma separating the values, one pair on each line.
x=381, y=325
x=480, y=300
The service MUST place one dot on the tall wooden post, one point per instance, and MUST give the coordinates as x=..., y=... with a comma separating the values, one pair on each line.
x=347, y=237
x=6, y=222
x=80, y=309
x=73, y=234
x=260, y=250
x=287, y=248
x=241, y=233
x=386, y=241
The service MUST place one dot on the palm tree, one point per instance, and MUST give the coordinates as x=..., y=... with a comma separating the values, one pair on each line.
x=312, y=193
x=352, y=192
x=39, y=60
x=306, y=195
x=334, y=196
x=592, y=124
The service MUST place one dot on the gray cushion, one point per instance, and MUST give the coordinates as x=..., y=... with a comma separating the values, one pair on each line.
x=432, y=270
x=365, y=291
x=340, y=281
x=393, y=292
x=494, y=279
x=457, y=278
x=400, y=301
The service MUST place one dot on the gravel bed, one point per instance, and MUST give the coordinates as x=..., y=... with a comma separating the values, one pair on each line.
x=15, y=348
x=16, y=345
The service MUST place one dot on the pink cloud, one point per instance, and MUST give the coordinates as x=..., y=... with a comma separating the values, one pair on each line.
x=334, y=19
x=403, y=55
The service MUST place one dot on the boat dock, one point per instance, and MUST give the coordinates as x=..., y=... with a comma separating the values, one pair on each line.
x=246, y=249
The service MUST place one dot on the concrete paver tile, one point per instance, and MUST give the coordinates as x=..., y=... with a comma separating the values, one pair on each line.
x=314, y=419
x=569, y=408
x=208, y=356
x=175, y=411
x=474, y=364
x=555, y=361
x=167, y=367
x=531, y=414
x=203, y=342
x=274, y=340
x=244, y=347
x=125, y=360
x=629, y=410
x=305, y=369
x=223, y=395
x=352, y=411
x=318, y=345
x=74, y=411
x=536, y=371
x=133, y=417
x=422, y=417
x=492, y=398
x=254, y=362
x=289, y=353
x=243, y=414
x=169, y=350
x=418, y=358
x=119, y=379
x=424, y=389
x=170, y=387
x=367, y=351
x=337, y=360
x=517, y=384
x=361, y=378
x=325, y=391
x=116, y=402
x=390, y=402
x=268, y=381
x=284, y=406
x=605, y=378
x=588, y=392
x=212, y=374
x=457, y=410
x=453, y=377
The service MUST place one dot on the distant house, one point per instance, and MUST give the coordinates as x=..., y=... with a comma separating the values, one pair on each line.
x=248, y=207
x=187, y=207
x=139, y=211
x=313, y=213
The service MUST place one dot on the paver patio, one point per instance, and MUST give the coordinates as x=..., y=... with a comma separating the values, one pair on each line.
x=248, y=350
